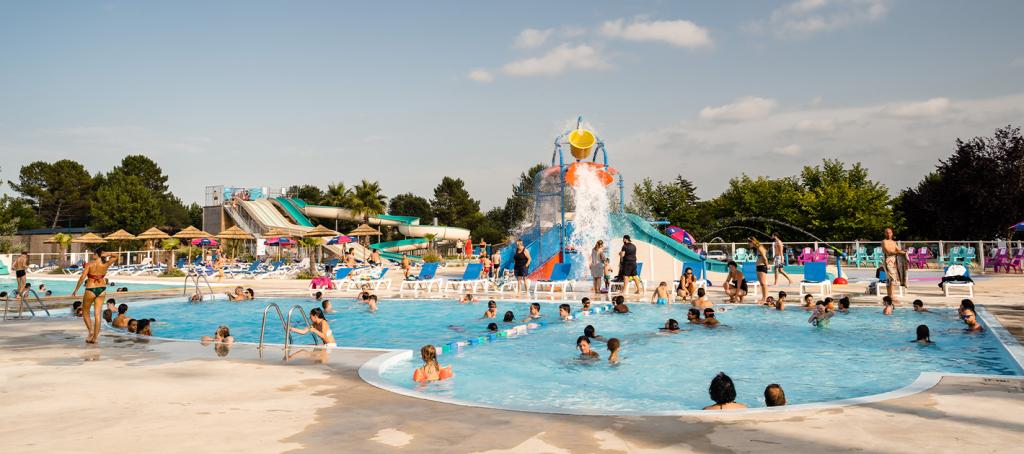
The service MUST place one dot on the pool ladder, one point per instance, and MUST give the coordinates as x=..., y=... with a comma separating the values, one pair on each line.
x=24, y=302
x=194, y=277
x=285, y=323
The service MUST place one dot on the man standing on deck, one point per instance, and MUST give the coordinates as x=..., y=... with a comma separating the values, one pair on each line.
x=779, y=258
x=627, y=257
x=20, y=267
x=892, y=268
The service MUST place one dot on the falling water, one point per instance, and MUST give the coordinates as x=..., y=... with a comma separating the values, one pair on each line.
x=591, y=220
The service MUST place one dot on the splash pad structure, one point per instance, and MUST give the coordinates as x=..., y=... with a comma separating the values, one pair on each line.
x=580, y=199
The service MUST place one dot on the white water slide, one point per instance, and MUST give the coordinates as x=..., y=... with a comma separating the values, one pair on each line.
x=267, y=216
x=408, y=226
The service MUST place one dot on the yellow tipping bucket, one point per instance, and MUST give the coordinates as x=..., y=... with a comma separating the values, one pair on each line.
x=580, y=142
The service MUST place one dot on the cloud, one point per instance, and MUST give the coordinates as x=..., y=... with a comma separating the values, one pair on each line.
x=745, y=108
x=816, y=125
x=556, y=61
x=788, y=150
x=531, y=37
x=897, y=150
x=924, y=109
x=481, y=75
x=680, y=33
x=806, y=17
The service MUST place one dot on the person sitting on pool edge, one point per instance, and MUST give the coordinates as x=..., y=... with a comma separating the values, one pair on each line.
x=971, y=320
x=591, y=333
x=887, y=305
x=702, y=301
x=327, y=307
x=319, y=327
x=613, y=350
x=431, y=370
x=660, y=294
x=723, y=393
x=222, y=335
x=121, y=321
x=534, y=312
x=924, y=335
x=671, y=326
x=492, y=310
x=509, y=317
x=709, y=317
x=564, y=312
x=583, y=345
x=774, y=396
x=919, y=306
x=693, y=316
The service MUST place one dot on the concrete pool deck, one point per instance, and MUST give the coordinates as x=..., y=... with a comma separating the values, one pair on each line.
x=124, y=394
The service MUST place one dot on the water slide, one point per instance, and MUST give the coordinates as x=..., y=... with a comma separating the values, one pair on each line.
x=266, y=215
x=293, y=211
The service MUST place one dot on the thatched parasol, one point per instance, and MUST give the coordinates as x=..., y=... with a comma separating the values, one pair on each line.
x=120, y=235
x=278, y=231
x=189, y=233
x=51, y=240
x=151, y=235
x=89, y=238
x=235, y=233
x=364, y=230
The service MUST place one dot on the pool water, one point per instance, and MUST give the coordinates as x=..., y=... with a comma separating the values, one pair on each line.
x=858, y=354
x=65, y=287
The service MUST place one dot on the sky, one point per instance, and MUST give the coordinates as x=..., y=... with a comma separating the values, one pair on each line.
x=260, y=93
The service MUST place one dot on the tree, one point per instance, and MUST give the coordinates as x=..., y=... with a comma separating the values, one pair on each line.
x=519, y=204
x=18, y=213
x=125, y=202
x=769, y=198
x=976, y=193
x=195, y=214
x=452, y=203
x=148, y=172
x=60, y=192
x=337, y=195
x=307, y=192
x=64, y=241
x=409, y=204
x=842, y=204
x=368, y=199
x=675, y=201
x=175, y=214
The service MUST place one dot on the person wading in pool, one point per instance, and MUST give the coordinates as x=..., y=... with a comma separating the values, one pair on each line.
x=319, y=326
x=521, y=260
x=892, y=266
x=94, y=275
x=628, y=268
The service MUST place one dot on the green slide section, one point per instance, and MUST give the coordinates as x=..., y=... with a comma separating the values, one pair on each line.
x=640, y=230
x=419, y=243
x=294, y=212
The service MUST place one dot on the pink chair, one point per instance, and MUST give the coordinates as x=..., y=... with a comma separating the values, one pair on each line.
x=1001, y=259
x=805, y=256
x=1015, y=262
x=921, y=259
x=821, y=255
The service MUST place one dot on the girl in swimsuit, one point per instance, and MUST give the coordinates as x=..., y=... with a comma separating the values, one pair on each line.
x=762, y=267
x=431, y=370
x=687, y=284
x=319, y=326
x=94, y=275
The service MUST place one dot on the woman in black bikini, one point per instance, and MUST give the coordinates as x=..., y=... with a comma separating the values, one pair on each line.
x=94, y=274
x=521, y=260
x=762, y=267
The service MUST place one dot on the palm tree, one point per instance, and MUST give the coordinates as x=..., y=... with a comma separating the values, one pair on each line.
x=338, y=195
x=430, y=237
x=368, y=199
x=64, y=240
x=310, y=244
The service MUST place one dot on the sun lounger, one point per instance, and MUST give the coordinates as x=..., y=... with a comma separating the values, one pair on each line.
x=469, y=281
x=815, y=275
x=559, y=278
x=425, y=281
x=749, y=270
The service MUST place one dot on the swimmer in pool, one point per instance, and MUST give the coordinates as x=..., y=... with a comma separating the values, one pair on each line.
x=468, y=298
x=319, y=327
x=372, y=303
x=671, y=326
x=971, y=320
x=564, y=312
x=821, y=315
x=509, y=317
x=492, y=327
x=924, y=336
x=534, y=312
x=887, y=305
x=808, y=302
x=585, y=304
x=237, y=295
x=492, y=310
x=693, y=316
x=613, y=350
x=919, y=306
x=132, y=325
x=431, y=369
x=583, y=345
x=844, y=304
x=144, y=327
x=702, y=301
x=327, y=307
x=660, y=294
x=709, y=317
x=222, y=335
x=121, y=321
x=620, y=305
x=591, y=333
x=318, y=296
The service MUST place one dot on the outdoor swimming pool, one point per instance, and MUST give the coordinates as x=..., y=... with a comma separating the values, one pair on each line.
x=861, y=353
x=62, y=287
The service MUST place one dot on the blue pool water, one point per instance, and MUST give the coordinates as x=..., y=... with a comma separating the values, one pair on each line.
x=859, y=354
x=65, y=287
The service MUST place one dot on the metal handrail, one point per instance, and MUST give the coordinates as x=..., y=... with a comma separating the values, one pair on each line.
x=194, y=275
x=309, y=325
x=263, y=325
x=24, y=298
